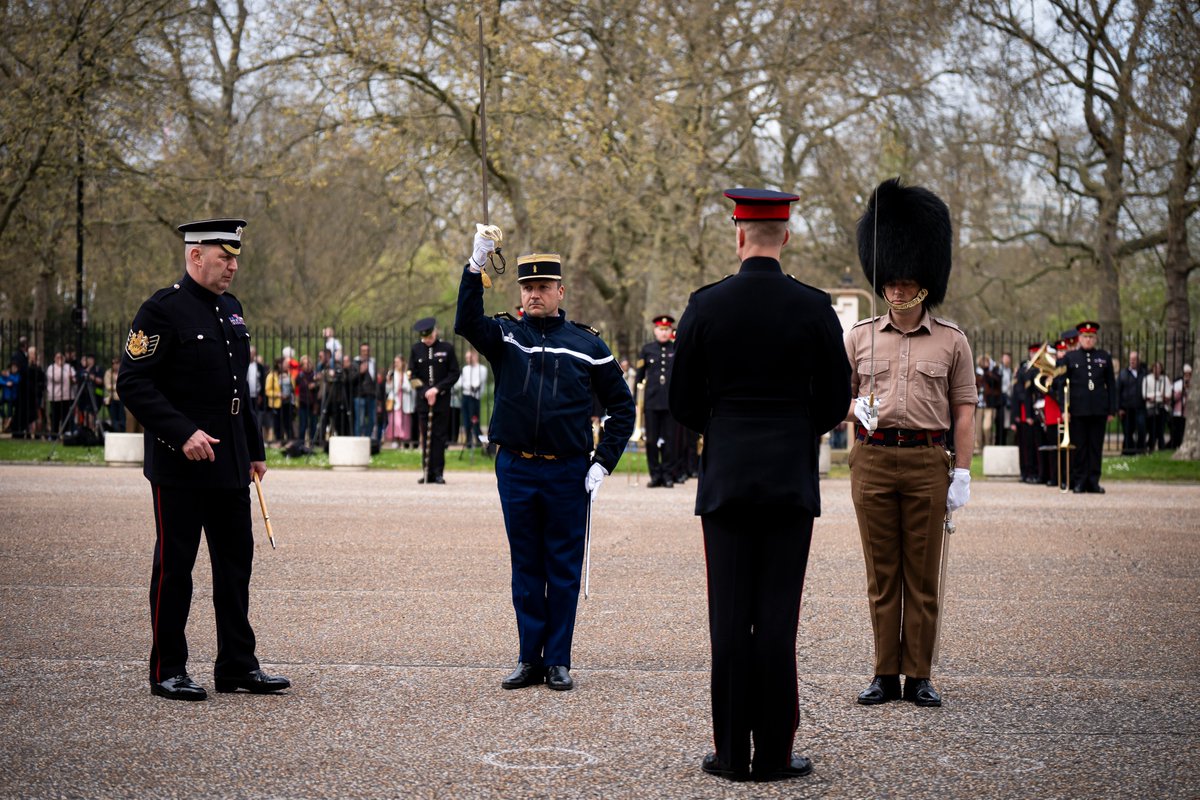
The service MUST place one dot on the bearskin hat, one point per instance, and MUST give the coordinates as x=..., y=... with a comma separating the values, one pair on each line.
x=910, y=228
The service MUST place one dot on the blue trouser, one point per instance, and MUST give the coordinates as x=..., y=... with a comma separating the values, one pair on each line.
x=545, y=513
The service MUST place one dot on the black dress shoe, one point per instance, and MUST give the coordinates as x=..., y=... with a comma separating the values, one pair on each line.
x=1078, y=490
x=668, y=484
x=558, y=678
x=255, y=681
x=439, y=479
x=1096, y=490
x=712, y=766
x=524, y=675
x=882, y=689
x=921, y=692
x=654, y=483
x=797, y=767
x=180, y=687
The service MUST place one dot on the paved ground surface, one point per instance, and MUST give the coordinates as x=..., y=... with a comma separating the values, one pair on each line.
x=1070, y=651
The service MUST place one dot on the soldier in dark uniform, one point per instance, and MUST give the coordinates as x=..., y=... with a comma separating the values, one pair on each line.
x=433, y=371
x=548, y=469
x=1093, y=402
x=654, y=368
x=183, y=375
x=758, y=491
x=1025, y=419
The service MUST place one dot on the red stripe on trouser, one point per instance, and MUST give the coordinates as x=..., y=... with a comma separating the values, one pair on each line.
x=161, y=575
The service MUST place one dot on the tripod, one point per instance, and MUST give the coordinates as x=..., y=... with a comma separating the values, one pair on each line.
x=87, y=437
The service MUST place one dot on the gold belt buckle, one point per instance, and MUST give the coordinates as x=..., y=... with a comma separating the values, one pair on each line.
x=235, y=406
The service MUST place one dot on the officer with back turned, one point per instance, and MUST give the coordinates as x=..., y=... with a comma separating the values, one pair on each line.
x=654, y=370
x=433, y=371
x=183, y=376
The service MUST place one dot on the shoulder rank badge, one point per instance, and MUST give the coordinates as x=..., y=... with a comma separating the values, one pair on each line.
x=139, y=345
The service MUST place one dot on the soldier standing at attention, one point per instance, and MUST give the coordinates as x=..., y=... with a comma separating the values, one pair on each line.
x=902, y=479
x=758, y=490
x=183, y=375
x=1093, y=403
x=547, y=371
x=654, y=367
x=433, y=371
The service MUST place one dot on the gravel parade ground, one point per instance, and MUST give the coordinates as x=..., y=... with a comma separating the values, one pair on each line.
x=1071, y=634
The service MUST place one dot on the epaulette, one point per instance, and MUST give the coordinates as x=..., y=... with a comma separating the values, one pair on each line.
x=947, y=323
x=586, y=327
x=504, y=315
x=714, y=283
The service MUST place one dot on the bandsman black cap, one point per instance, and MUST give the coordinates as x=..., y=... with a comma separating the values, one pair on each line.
x=1089, y=326
x=425, y=326
x=761, y=205
x=664, y=321
x=904, y=235
x=1070, y=335
x=225, y=232
x=545, y=266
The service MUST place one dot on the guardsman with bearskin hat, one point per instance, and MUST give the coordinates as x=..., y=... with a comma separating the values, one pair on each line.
x=1092, y=403
x=758, y=490
x=654, y=372
x=548, y=468
x=913, y=380
x=183, y=375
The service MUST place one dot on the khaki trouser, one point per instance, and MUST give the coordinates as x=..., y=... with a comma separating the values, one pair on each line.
x=900, y=500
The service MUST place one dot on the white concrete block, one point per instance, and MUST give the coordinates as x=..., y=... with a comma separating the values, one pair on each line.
x=123, y=448
x=1001, y=461
x=823, y=456
x=349, y=452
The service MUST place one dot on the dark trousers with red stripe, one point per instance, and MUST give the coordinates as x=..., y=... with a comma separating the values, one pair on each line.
x=756, y=558
x=179, y=516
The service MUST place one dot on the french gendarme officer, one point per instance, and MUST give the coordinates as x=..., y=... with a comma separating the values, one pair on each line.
x=759, y=489
x=654, y=370
x=183, y=375
x=547, y=369
x=433, y=371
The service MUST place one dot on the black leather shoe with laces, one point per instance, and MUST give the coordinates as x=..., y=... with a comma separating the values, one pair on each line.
x=558, y=678
x=256, y=682
x=179, y=687
x=797, y=767
x=524, y=675
x=882, y=689
x=712, y=766
x=921, y=692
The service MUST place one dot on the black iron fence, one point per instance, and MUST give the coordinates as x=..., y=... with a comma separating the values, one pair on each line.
x=105, y=341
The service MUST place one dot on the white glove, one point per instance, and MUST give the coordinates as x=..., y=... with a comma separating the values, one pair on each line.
x=486, y=237
x=595, y=476
x=867, y=414
x=960, y=489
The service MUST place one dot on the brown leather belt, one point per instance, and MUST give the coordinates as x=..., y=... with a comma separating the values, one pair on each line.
x=900, y=437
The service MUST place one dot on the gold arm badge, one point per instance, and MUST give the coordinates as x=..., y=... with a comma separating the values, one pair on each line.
x=139, y=345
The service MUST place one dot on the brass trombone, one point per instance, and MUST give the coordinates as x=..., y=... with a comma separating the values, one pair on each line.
x=639, y=432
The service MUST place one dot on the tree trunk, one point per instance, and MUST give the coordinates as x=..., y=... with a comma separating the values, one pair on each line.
x=1190, y=449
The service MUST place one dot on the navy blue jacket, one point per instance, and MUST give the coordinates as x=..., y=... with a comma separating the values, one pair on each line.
x=184, y=368
x=546, y=372
x=761, y=371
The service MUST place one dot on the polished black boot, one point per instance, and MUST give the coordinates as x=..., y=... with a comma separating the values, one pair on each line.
x=524, y=675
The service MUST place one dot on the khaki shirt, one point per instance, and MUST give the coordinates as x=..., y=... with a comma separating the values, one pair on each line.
x=919, y=375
